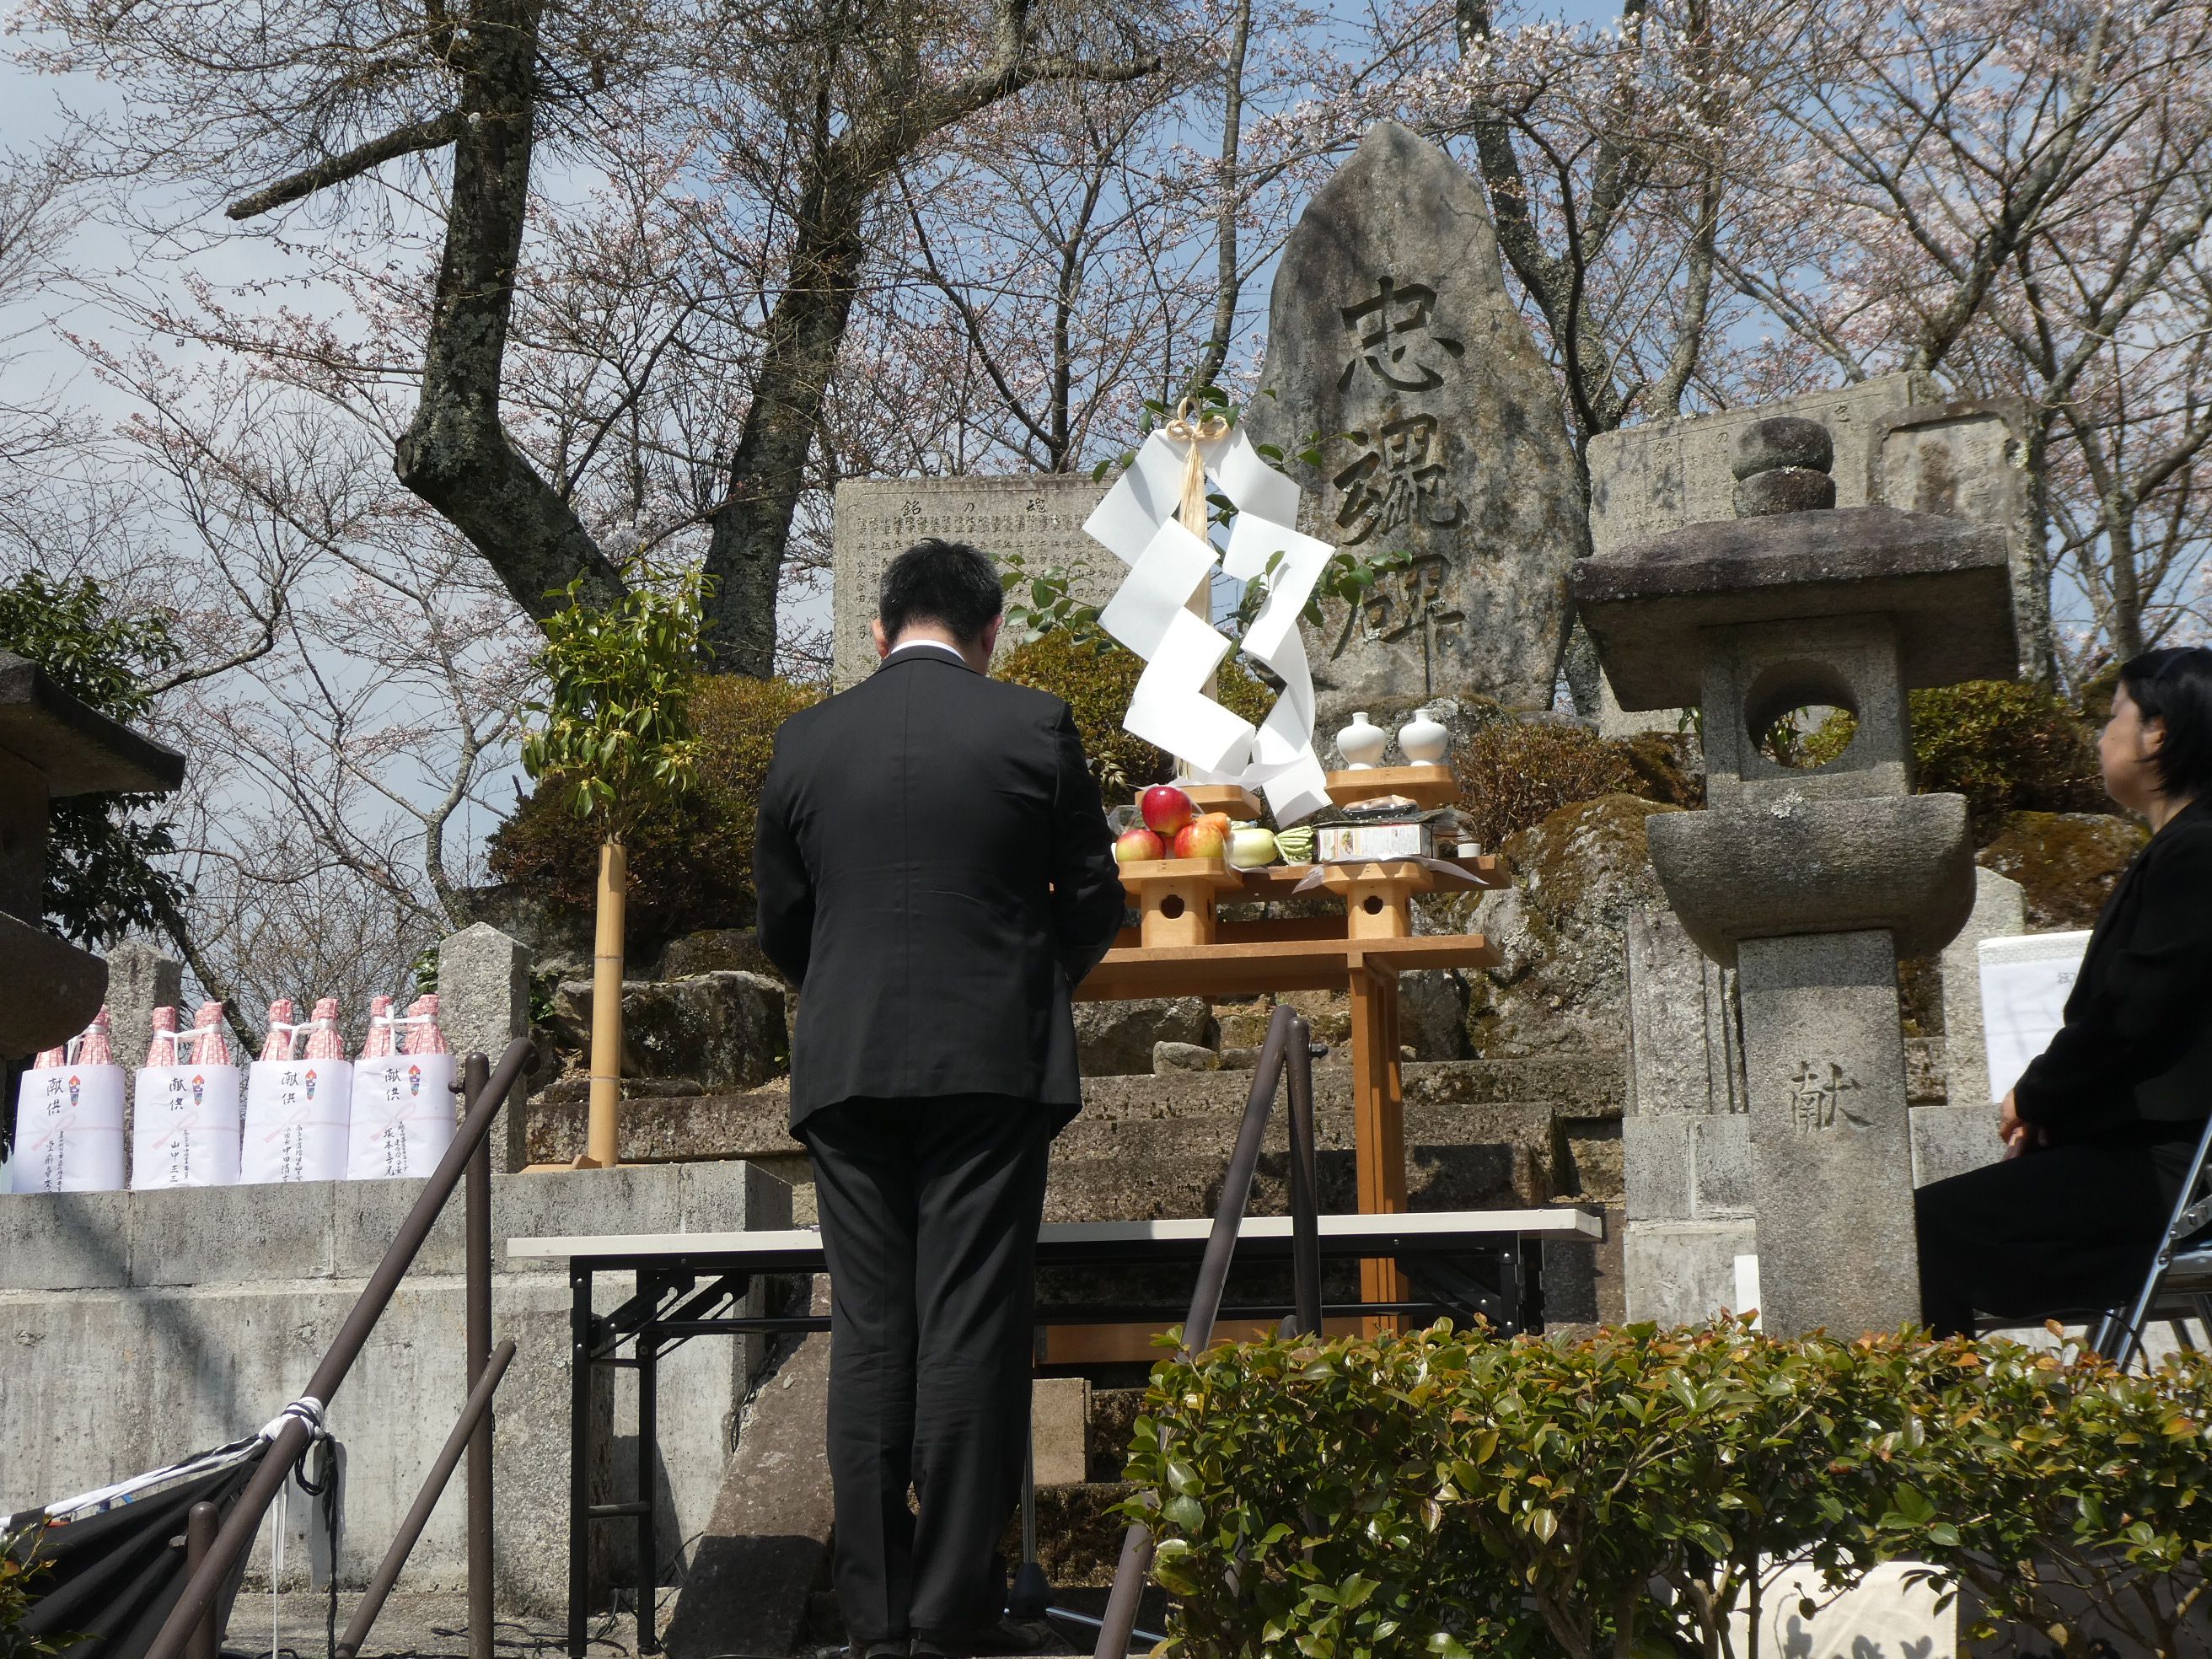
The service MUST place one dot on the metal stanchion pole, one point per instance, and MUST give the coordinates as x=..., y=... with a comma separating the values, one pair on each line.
x=477, y=1220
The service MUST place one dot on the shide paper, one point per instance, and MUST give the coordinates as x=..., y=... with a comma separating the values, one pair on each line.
x=1137, y=523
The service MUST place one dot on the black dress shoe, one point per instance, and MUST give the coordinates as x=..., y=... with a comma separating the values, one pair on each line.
x=888, y=1648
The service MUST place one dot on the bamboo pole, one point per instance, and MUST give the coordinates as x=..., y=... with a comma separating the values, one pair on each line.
x=606, y=1007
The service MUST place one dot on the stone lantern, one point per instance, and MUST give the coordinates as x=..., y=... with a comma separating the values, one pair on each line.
x=52, y=746
x=1811, y=881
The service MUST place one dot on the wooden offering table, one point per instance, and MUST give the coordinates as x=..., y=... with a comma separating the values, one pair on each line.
x=1183, y=947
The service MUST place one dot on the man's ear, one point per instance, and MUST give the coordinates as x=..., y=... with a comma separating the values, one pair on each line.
x=991, y=637
x=883, y=639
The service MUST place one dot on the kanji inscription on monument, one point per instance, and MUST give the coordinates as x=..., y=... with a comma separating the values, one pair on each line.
x=1393, y=342
x=1817, y=1091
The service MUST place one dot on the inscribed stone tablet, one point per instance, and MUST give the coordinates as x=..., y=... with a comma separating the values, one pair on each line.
x=1037, y=515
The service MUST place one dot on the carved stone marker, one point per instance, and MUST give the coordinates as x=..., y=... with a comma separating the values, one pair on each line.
x=1687, y=1135
x=1038, y=515
x=140, y=979
x=484, y=1005
x=1390, y=336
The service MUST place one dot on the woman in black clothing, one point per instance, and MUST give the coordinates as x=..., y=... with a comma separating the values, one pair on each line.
x=2099, y=1129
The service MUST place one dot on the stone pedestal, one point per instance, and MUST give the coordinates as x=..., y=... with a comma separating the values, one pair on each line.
x=1830, y=1133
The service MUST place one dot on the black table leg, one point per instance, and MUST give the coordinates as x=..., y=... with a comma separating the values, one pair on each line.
x=580, y=1454
x=648, y=1445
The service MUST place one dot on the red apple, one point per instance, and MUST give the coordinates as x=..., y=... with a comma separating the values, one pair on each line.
x=1138, y=842
x=1200, y=839
x=1165, y=808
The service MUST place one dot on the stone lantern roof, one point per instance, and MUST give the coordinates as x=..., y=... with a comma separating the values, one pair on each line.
x=52, y=744
x=1791, y=557
x=78, y=751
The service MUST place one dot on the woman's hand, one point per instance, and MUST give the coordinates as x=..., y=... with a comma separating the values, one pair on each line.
x=2017, y=1136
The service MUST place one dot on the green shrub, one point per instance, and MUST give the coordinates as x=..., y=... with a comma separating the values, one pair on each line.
x=1513, y=775
x=1097, y=677
x=690, y=858
x=22, y=1572
x=1441, y=1493
x=2006, y=746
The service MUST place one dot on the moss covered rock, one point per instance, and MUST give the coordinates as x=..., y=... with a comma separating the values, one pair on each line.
x=1562, y=927
x=2068, y=862
x=1514, y=774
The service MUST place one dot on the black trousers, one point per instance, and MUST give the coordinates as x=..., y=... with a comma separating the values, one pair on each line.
x=929, y=1211
x=2059, y=1230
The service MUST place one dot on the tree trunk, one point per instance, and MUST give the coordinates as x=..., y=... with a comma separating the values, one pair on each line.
x=455, y=453
x=744, y=552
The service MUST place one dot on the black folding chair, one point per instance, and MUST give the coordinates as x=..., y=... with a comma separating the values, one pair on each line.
x=2179, y=1282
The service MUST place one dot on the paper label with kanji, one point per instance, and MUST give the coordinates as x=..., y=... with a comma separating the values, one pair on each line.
x=184, y=1132
x=69, y=1130
x=296, y=1112
x=403, y=1115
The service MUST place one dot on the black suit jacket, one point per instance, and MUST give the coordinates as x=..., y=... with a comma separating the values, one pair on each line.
x=935, y=874
x=2135, y=1052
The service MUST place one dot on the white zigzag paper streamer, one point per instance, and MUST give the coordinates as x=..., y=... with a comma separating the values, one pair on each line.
x=1149, y=613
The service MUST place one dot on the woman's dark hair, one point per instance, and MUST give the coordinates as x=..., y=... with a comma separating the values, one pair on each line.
x=2174, y=685
x=948, y=583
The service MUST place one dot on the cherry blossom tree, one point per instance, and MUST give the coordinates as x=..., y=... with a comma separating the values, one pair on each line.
x=801, y=115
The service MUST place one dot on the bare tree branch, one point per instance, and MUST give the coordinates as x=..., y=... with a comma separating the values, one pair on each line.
x=417, y=136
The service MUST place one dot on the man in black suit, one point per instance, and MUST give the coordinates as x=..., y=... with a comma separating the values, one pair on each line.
x=935, y=875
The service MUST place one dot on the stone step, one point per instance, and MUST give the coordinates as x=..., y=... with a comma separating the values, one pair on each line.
x=664, y=1120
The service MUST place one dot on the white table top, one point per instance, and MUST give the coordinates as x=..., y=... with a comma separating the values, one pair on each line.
x=1428, y=1223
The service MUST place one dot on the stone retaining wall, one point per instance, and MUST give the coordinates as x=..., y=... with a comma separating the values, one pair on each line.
x=141, y=1327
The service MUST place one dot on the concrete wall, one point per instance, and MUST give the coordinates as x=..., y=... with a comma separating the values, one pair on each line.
x=140, y=1328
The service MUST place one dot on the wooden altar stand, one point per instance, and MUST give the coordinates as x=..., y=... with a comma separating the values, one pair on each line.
x=1183, y=947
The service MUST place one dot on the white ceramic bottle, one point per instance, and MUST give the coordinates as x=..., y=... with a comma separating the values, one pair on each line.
x=1362, y=743
x=1424, y=740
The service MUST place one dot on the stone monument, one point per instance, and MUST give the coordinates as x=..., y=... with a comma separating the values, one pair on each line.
x=140, y=979
x=1037, y=515
x=1391, y=336
x=1812, y=882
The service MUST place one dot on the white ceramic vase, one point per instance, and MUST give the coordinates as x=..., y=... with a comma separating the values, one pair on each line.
x=1424, y=740
x=1362, y=743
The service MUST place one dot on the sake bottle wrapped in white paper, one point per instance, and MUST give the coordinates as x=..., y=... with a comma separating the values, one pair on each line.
x=68, y=1119
x=185, y=1131
x=402, y=1103
x=296, y=1105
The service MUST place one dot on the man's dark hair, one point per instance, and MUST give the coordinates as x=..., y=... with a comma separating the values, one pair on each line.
x=948, y=583
x=2174, y=685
